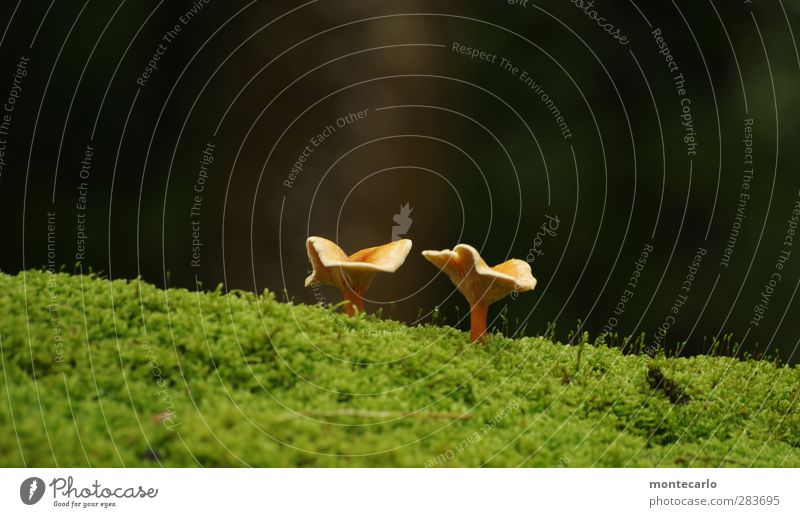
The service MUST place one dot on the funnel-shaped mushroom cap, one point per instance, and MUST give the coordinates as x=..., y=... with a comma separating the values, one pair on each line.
x=478, y=282
x=332, y=266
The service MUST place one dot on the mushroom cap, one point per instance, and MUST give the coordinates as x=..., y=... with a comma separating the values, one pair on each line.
x=476, y=280
x=332, y=266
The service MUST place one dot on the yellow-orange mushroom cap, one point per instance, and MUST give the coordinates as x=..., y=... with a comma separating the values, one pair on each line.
x=480, y=284
x=353, y=274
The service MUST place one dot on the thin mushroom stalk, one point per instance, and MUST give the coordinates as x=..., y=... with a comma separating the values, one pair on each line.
x=356, y=302
x=480, y=284
x=353, y=274
x=478, y=315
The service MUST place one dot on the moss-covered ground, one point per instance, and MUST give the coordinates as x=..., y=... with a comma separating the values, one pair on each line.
x=122, y=373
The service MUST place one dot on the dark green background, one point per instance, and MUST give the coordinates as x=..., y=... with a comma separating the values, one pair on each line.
x=633, y=183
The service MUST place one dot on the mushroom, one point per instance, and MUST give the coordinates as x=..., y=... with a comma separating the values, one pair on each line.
x=480, y=284
x=353, y=274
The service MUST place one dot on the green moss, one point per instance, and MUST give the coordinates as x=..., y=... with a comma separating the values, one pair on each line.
x=183, y=378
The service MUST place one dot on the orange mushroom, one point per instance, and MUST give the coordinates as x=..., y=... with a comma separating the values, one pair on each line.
x=353, y=274
x=480, y=284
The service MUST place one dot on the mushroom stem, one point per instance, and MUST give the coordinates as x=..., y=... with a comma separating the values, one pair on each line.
x=478, y=314
x=355, y=301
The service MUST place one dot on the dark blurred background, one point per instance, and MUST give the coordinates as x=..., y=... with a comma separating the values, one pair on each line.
x=472, y=145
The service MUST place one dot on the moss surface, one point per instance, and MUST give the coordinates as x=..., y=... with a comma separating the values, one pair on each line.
x=122, y=373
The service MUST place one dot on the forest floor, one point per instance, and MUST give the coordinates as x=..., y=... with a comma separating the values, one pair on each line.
x=120, y=373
